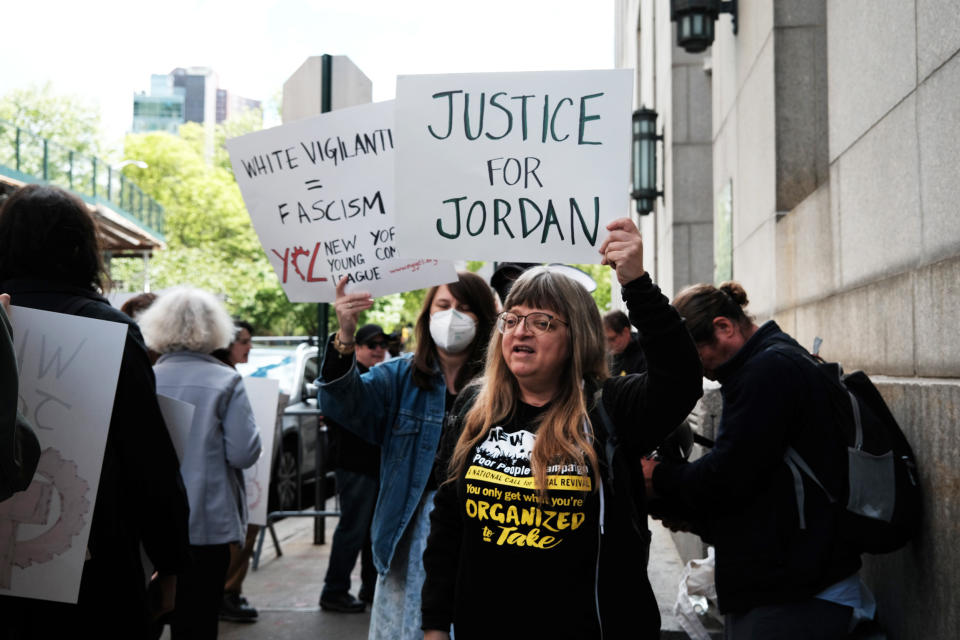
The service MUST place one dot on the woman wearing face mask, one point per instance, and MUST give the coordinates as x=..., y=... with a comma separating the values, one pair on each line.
x=400, y=405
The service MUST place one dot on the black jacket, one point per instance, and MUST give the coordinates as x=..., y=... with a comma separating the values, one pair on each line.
x=351, y=452
x=742, y=493
x=644, y=408
x=630, y=360
x=140, y=499
x=19, y=447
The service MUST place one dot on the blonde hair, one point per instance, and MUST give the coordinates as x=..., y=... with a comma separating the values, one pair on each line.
x=561, y=437
x=186, y=319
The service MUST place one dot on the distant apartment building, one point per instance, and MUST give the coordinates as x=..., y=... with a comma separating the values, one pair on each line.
x=186, y=94
x=230, y=104
x=199, y=86
x=160, y=110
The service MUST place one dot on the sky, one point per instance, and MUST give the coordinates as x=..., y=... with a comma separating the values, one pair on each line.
x=104, y=51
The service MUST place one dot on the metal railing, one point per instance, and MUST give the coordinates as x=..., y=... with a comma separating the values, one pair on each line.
x=29, y=157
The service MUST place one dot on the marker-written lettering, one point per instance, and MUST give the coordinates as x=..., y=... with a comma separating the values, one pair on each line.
x=509, y=110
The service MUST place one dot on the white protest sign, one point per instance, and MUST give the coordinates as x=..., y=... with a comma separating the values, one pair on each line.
x=264, y=394
x=512, y=166
x=178, y=416
x=68, y=377
x=320, y=193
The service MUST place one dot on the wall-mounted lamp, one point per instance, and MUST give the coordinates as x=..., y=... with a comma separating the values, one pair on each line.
x=695, y=20
x=645, y=159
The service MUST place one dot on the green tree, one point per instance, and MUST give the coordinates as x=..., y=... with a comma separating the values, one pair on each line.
x=210, y=240
x=601, y=275
x=246, y=121
x=68, y=120
x=204, y=208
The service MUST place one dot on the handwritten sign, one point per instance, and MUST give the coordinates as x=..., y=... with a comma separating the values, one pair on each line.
x=264, y=394
x=512, y=166
x=320, y=192
x=178, y=416
x=68, y=377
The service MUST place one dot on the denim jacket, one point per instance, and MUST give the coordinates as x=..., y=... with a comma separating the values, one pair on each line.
x=385, y=407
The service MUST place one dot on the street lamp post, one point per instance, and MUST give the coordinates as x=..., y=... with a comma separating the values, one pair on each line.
x=140, y=164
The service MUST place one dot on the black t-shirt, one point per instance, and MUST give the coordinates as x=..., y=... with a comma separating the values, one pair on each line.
x=533, y=563
x=439, y=471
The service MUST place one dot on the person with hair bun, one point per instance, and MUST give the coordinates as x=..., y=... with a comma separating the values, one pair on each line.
x=185, y=325
x=537, y=530
x=782, y=571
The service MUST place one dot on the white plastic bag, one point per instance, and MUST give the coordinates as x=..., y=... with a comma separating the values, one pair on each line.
x=696, y=589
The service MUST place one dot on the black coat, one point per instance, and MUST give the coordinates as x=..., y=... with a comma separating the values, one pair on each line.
x=351, y=452
x=742, y=493
x=630, y=360
x=140, y=500
x=644, y=408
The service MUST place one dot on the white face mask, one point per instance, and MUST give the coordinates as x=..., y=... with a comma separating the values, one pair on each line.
x=452, y=330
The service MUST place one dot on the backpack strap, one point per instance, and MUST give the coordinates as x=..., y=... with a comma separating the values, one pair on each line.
x=798, y=465
x=834, y=373
x=791, y=456
x=858, y=443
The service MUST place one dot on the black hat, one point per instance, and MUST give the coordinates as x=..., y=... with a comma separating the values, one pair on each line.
x=368, y=332
x=506, y=272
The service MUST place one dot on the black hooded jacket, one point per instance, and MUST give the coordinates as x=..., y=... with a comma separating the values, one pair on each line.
x=141, y=499
x=643, y=408
x=742, y=494
x=630, y=360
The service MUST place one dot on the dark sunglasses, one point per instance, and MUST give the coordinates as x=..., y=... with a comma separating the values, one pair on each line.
x=377, y=344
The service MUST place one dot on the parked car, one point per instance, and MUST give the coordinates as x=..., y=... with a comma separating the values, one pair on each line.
x=294, y=462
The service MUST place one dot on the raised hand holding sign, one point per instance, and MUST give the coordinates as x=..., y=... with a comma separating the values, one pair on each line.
x=320, y=193
x=511, y=166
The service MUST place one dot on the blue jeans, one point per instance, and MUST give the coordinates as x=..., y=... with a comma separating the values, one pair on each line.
x=358, y=497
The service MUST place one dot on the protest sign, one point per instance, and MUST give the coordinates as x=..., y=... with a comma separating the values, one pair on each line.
x=178, y=416
x=320, y=193
x=68, y=368
x=512, y=166
x=264, y=394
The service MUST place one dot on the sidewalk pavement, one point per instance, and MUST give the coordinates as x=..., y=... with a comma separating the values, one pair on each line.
x=286, y=589
x=664, y=570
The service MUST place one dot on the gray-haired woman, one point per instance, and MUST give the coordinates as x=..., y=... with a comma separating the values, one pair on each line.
x=184, y=325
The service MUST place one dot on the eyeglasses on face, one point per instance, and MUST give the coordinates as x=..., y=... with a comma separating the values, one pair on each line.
x=377, y=344
x=536, y=323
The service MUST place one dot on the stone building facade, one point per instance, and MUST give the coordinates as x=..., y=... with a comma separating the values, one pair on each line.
x=814, y=156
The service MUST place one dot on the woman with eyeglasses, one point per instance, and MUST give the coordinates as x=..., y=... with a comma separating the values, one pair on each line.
x=541, y=518
x=400, y=405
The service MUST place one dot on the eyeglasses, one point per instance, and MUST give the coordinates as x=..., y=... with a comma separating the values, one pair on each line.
x=536, y=323
x=379, y=344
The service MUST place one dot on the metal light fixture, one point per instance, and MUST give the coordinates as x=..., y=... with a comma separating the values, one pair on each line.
x=645, y=159
x=695, y=20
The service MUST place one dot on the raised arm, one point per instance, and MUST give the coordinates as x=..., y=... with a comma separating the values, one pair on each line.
x=360, y=404
x=646, y=407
